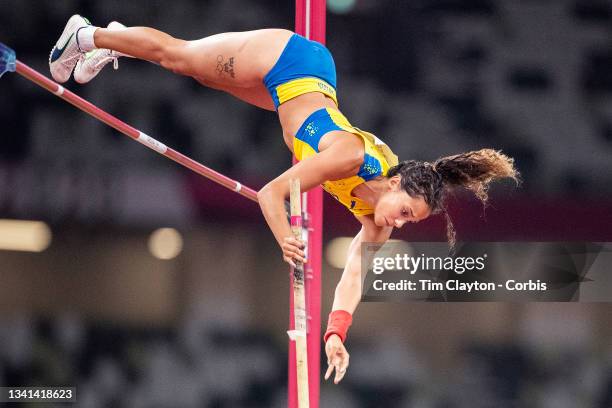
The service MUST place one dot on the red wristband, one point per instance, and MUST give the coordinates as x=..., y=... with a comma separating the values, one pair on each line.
x=338, y=323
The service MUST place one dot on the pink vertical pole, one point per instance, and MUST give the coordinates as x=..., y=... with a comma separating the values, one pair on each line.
x=310, y=22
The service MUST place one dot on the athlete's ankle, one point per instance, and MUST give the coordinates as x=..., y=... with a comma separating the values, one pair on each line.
x=85, y=38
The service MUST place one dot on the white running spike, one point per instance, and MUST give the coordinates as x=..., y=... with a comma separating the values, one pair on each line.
x=90, y=65
x=66, y=52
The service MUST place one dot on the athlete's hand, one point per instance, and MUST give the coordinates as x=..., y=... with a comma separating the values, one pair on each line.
x=293, y=251
x=337, y=358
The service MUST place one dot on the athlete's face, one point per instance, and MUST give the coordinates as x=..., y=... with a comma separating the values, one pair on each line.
x=395, y=207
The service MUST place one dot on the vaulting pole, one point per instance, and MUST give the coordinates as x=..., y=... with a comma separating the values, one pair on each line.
x=298, y=336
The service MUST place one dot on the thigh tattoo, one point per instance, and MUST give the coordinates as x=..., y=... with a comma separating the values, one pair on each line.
x=225, y=66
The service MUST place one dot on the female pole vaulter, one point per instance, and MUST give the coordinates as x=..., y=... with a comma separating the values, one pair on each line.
x=275, y=69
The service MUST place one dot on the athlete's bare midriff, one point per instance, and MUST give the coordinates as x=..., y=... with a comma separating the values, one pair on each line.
x=294, y=112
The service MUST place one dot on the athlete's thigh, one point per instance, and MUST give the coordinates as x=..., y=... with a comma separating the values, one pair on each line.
x=240, y=59
x=256, y=95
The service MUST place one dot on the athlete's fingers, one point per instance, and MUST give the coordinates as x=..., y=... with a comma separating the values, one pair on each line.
x=289, y=261
x=295, y=258
x=336, y=362
x=337, y=368
x=339, y=375
x=290, y=247
x=342, y=370
x=330, y=369
x=345, y=362
x=298, y=242
x=293, y=249
x=294, y=255
x=294, y=241
x=297, y=255
x=286, y=247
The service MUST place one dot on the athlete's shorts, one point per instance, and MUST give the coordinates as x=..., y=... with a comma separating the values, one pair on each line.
x=304, y=66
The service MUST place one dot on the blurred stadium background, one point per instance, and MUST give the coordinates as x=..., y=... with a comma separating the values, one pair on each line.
x=99, y=308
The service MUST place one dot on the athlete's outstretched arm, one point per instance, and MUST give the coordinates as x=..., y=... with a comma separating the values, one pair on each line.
x=348, y=295
x=341, y=159
x=348, y=291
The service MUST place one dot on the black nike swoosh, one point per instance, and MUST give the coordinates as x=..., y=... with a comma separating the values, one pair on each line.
x=58, y=51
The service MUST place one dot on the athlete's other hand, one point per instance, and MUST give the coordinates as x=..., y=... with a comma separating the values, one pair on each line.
x=293, y=250
x=337, y=358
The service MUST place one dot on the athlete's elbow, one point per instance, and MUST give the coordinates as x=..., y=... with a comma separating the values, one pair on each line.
x=263, y=197
x=268, y=193
x=262, y=193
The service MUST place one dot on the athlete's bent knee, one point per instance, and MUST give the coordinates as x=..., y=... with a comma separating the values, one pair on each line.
x=173, y=57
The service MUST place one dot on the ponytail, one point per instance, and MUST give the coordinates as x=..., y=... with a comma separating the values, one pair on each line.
x=475, y=170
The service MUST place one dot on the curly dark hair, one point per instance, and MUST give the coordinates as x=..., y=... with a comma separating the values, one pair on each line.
x=473, y=170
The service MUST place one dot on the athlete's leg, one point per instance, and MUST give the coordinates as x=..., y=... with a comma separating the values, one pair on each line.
x=240, y=59
x=257, y=95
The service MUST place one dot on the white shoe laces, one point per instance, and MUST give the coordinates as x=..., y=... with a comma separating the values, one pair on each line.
x=107, y=57
x=68, y=61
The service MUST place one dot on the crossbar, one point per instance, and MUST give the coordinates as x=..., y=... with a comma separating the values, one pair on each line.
x=141, y=137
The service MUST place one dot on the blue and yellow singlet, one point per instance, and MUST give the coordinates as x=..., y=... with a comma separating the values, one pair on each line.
x=378, y=157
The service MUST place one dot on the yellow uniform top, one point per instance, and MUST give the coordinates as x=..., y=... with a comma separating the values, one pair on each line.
x=378, y=157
